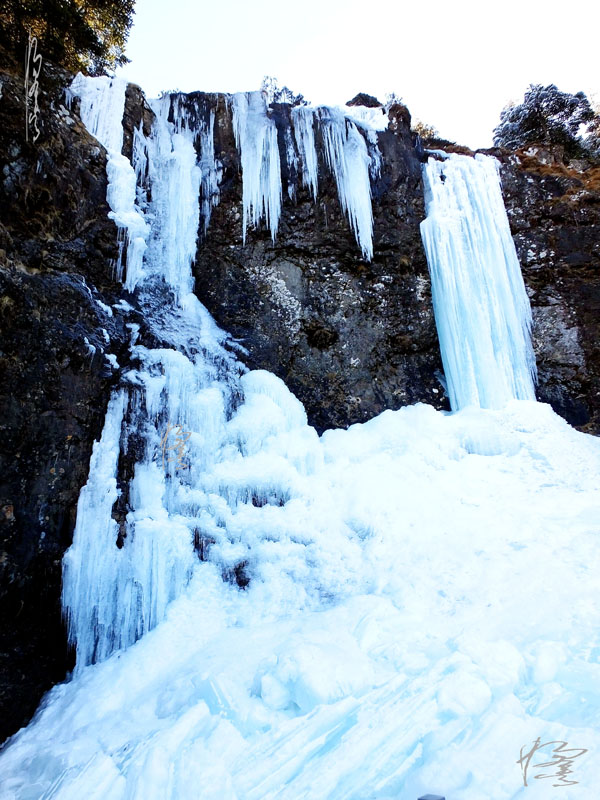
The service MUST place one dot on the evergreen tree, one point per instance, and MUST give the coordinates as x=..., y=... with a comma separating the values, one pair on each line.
x=546, y=116
x=274, y=93
x=87, y=35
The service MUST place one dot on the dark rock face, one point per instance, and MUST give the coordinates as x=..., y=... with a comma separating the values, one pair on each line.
x=554, y=211
x=57, y=245
x=137, y=114
x=362, y=99
x=350, y=338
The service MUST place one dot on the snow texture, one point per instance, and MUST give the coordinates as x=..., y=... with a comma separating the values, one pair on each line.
x=422, y=603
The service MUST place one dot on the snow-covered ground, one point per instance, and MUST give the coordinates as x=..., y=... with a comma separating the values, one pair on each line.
x=423, y=605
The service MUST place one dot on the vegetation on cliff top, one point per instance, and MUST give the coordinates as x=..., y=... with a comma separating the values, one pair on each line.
x=81, y=35
x=551, y=117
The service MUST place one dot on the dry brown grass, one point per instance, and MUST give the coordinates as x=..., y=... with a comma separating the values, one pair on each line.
x=583, y=185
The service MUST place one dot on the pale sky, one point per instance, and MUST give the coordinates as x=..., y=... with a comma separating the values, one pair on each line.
x=455, y=64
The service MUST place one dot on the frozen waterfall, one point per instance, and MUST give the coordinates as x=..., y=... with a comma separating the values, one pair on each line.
x=482, y=311
x=119, y=579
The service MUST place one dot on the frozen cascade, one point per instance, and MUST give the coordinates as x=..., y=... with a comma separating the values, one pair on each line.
x=481, y=307
x=175, y=178
x=102, y=103
x=101, y=107
x=90, y=629
x=256, y=139
x=186, y=114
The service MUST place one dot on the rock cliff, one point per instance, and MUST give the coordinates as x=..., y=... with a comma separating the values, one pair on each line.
x=554, y=211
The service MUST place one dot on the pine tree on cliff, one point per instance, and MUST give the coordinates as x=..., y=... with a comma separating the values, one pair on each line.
x=546, y=116
x=87, y=35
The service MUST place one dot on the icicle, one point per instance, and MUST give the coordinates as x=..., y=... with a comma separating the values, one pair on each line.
x=139, y=160
x=209, y=190
x=303, y=119
x=292, y=163
x=481, y=307
x=102, y=103
x=112, y=595
x=374, y=153
x=256, y=139
x=349, y=160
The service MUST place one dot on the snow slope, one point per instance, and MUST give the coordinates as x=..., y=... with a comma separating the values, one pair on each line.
x=423, y=605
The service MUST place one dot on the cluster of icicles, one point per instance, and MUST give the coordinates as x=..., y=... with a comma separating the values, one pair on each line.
x=351, y=154
x=350, y=149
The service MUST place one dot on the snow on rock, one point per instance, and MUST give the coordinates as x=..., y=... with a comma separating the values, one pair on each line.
x=373, y=118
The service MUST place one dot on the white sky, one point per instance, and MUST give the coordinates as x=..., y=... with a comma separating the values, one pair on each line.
x=455, y=64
